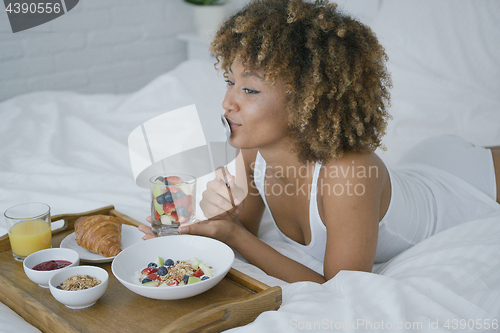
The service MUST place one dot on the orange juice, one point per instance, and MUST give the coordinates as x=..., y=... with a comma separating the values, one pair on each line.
x=30, y=236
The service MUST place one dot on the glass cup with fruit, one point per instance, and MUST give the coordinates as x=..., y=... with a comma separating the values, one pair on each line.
x=29, y=229
x=173, y=202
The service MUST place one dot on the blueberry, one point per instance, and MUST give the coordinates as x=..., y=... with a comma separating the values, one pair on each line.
x=162, y=271
x=185, y=279
x=146, y=280
x=204, y=277
x=169, y=262
x=160, y=200
x=166, y=197
x=152, y=264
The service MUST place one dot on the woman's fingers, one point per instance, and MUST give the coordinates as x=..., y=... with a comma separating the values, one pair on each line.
x=216, y=199
x=218, y=229
x=218, y=194
x=192, y=228
x=147, y=230
x=236, y=193
x=222, y=194
x=213, y=205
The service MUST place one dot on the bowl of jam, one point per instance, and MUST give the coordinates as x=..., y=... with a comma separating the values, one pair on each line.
x=41, y=265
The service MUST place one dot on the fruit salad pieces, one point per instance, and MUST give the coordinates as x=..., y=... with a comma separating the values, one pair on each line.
x=172, y=200
x=163, y=273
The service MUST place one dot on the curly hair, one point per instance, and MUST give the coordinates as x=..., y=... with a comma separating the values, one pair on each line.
x=337, y=83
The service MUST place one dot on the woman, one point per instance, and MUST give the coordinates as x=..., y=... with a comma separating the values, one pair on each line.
x=306, y=101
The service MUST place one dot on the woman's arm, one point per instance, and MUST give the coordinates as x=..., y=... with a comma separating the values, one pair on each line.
x=349, y=206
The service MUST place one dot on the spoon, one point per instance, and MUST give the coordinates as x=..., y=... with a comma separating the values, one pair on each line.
x=227, y=128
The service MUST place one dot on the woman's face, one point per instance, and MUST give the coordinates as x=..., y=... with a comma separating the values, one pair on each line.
x=255, y=110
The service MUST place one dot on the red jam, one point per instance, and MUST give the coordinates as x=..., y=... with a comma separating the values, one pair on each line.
x=51, y=265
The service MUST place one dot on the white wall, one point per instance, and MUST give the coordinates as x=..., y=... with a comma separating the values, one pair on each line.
x=234, y=5
x=100, y=46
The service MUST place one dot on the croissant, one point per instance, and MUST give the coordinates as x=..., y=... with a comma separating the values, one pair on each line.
x=101, y=234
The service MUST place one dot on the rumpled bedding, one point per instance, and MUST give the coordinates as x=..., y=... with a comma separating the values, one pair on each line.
x=70, y=151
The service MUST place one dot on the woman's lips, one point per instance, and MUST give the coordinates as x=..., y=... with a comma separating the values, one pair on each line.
x=232, y=124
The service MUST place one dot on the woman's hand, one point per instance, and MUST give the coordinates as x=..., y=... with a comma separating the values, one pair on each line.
x=223, y=199
x=222, y=230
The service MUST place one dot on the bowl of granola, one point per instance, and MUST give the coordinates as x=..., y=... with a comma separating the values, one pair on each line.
x=80, y=286
x=173, y=267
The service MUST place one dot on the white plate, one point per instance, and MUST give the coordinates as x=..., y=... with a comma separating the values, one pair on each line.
x=176, y=247
x=130, y=236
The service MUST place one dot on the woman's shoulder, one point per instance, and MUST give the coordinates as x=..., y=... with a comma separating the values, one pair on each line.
x=355, y=168
x=365, y=159
x=357, y=184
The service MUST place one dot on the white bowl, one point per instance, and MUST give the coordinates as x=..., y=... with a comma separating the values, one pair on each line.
x=79, y=299
x=176, y=247
x=42, y=277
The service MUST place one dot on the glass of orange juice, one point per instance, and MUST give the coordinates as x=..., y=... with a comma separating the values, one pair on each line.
x=29, y=229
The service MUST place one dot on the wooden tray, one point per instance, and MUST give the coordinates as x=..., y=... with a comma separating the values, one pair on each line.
x=237, y=300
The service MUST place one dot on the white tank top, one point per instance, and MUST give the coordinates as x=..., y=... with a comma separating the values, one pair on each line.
x=318, y=230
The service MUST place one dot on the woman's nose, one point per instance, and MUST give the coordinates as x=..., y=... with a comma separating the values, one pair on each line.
x=229, y=102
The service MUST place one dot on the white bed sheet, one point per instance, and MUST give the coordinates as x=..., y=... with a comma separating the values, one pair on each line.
x=70, y=151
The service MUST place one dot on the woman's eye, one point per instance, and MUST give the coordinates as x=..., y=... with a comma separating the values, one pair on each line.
x=246, y=90
x=250, y=91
